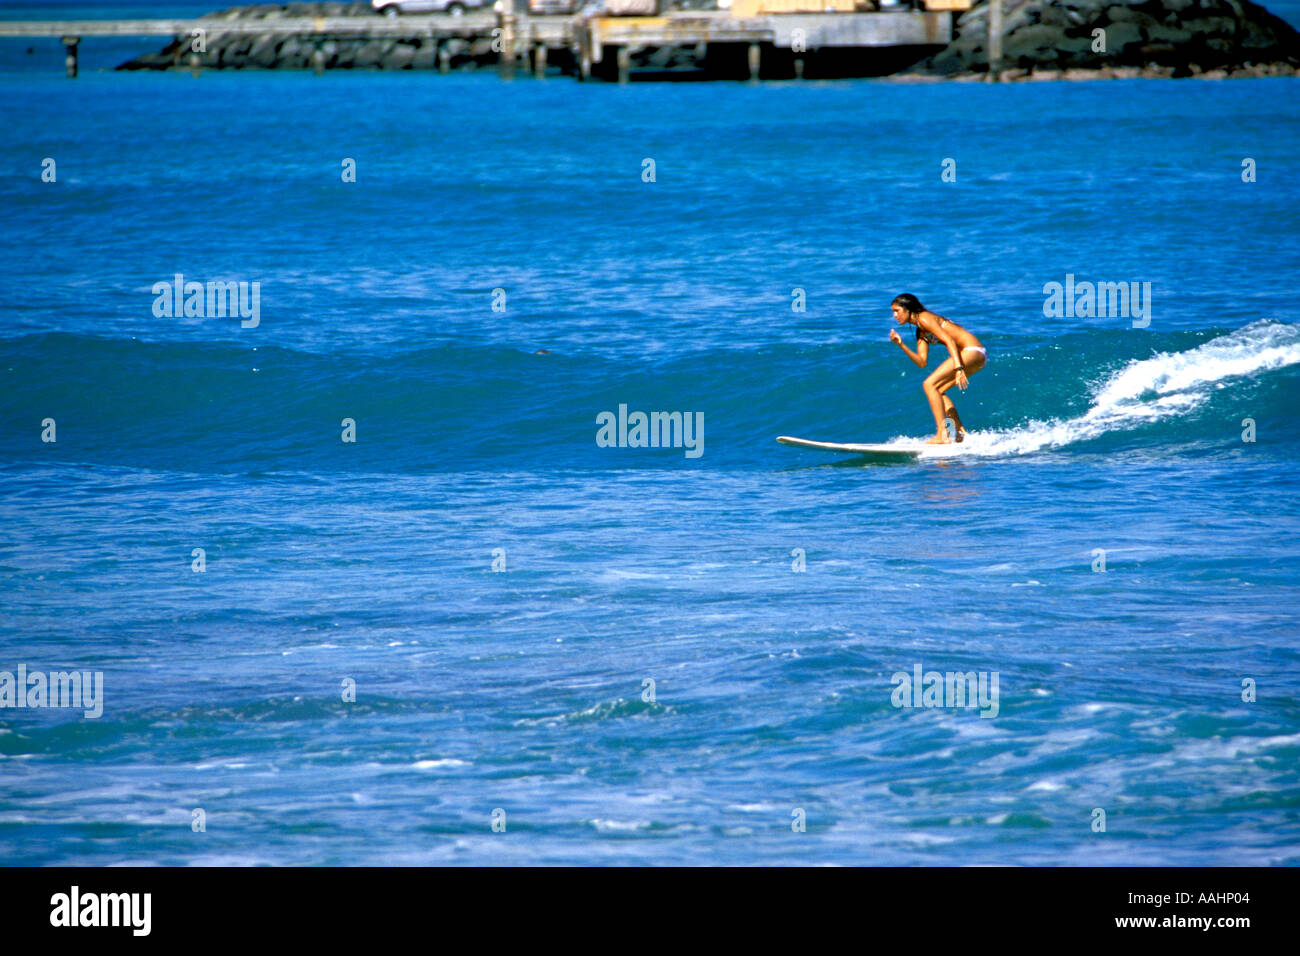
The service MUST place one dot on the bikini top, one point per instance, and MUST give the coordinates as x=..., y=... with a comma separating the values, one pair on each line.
x=929, y=336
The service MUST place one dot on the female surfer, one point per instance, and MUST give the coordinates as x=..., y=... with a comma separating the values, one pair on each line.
x=965, y=357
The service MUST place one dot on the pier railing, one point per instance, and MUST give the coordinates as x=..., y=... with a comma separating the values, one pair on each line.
x=521, y=34
x=353, y=27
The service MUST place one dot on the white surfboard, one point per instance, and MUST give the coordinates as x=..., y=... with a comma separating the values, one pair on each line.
x=910, y=450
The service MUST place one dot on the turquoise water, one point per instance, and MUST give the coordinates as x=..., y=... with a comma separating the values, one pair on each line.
x=522, y=690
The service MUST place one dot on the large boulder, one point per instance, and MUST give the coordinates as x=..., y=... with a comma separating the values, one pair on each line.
x=400, y=57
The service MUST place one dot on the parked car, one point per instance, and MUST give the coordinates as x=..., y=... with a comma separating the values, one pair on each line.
x=391, y=8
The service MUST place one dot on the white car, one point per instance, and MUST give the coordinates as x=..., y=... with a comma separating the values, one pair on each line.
x=391, y=8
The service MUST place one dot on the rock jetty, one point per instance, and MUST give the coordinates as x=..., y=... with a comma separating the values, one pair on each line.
x=1091, y=39
x=1042, y=39
x=270, y=51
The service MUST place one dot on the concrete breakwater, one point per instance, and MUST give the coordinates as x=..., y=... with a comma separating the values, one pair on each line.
x=1042, y=39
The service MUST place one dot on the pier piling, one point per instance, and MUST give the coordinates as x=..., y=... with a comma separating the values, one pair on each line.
x=70, y=43
x=506, y=64
x=995, y=39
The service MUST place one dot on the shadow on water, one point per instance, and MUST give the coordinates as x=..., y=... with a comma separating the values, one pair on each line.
x=880, y=461
x=857, y=461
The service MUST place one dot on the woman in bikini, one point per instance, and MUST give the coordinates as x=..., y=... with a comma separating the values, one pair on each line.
x=965, y=357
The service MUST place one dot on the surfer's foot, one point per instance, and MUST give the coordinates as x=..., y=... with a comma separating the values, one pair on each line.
x=939, y=440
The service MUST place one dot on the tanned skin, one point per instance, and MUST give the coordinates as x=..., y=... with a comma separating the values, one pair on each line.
x=956, y=369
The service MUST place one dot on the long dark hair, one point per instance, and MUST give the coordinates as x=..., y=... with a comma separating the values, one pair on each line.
x=910, y=302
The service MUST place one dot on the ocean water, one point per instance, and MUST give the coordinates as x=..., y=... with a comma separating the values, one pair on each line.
x=770, y=594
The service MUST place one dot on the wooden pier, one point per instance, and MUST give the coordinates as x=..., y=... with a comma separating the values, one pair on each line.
x=523, y=37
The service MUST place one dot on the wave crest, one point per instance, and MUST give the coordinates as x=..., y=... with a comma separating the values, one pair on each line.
x=1148, y=390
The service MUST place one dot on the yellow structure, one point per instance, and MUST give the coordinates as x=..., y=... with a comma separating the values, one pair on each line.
x=754, y=8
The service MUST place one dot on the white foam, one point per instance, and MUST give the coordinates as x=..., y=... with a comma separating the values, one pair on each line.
x=619, y=826
x=1144, y=391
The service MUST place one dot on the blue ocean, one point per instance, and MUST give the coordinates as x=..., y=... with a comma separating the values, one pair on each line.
x=364, y=588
